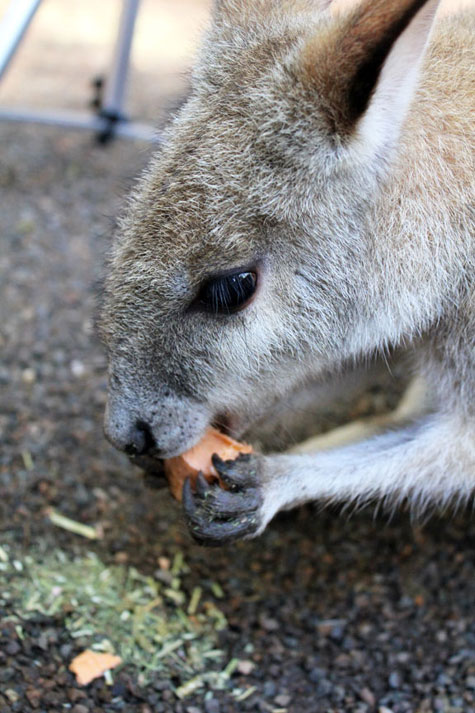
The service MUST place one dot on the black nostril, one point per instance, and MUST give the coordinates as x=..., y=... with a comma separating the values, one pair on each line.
x=141, y=440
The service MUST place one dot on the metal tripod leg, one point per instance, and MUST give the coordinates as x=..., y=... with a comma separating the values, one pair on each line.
x=112, y=100
x=110, y=119
x=14, y=24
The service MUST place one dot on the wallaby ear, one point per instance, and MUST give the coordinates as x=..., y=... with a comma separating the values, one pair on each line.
x=364, y=66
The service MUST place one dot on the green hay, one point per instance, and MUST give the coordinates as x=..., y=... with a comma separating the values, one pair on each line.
x=154, y=626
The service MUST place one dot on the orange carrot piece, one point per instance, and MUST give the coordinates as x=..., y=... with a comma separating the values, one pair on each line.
x=198, y=458
x=92, y=664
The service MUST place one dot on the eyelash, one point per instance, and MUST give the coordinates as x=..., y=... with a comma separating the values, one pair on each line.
x=229, y=293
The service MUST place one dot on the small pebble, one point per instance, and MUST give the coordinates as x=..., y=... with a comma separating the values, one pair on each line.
x=367, y=696
x=245, y=667
x=212, y=706
x=6, y=674
x=394, y=680
x=269, y=689
x=316, y=674
x=282, y=700
x=79, y=708
x=164, y=563
x=13, y=648
x=77, y=368
x=268, y=623
x=28, y=376
x=12, y=695
x=76, y=694
x=324, y=687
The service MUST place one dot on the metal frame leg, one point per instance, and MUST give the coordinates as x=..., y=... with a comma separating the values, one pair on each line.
x=114, y=92
x=14, y=24
x=110, y=119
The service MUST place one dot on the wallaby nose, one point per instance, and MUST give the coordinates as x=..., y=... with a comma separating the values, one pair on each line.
x=127, y=432
x=140, y=440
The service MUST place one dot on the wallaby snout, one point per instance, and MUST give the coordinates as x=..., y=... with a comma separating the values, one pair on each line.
x=153, y=424
x=128, y=433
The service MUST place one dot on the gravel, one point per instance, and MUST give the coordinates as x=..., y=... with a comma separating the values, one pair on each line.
x=325, y=612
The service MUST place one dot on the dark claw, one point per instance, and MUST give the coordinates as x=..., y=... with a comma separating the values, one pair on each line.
x=202, y=486
x=188, y=499
x=227, y=504
x=216, y=516
x=236, y=474
x=223, y=533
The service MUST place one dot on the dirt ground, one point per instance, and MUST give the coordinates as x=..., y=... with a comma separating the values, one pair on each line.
x=324, y=613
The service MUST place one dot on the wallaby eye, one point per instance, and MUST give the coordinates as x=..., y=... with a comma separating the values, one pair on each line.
x=227, y=294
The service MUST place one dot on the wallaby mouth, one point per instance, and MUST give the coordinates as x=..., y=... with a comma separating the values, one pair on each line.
x=153, y=465
x=153, y=471
x=224, y=423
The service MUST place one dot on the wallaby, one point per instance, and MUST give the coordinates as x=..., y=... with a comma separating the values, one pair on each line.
x=311, y=206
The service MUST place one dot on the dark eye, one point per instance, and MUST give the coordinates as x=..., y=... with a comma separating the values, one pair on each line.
x=227, y=294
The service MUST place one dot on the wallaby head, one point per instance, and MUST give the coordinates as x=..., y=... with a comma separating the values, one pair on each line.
x=241, y=265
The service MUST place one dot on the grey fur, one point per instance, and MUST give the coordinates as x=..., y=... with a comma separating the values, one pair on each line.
x=363, y=234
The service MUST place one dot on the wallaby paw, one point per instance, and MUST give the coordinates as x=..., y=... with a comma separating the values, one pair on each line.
x=216, y=516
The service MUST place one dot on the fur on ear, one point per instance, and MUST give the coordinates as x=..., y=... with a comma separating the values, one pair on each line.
x=364, y=66
x=240, y=12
